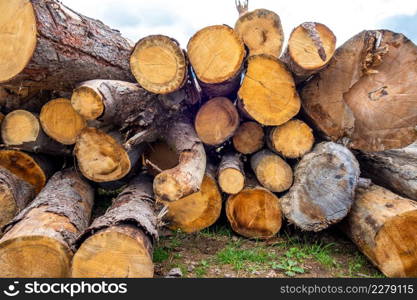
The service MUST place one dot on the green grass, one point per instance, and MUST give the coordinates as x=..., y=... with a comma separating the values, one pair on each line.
x=202, y=268
x=217, y=230
x=239, y=258
x=160, y=255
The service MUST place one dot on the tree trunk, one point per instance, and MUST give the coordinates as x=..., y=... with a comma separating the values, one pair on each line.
x=33, y=168
x=261, y=31
x=393, y=169
x=268, y=93
x=30, y=98
x=187, y=176
x=216, y=121
x=249, y=138
x=272, y=171
x=22, y=130
x=158, y=157
x=365, y=98
x=53, y=47
x=384, y=227
x=15, y=194
x=230, y=174
x=45, y=230
x=120, y=243
x=291, y=140
x=324, y=188
x=217, y=54
x=310, y=48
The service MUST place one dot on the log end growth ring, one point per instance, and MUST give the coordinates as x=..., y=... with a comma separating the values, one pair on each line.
x=87, y=102
x=19, y=127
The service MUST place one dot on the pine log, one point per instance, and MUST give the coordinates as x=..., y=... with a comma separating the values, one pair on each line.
x=261, y=31
x=384, y=227
x=33, y=168
x=365, y=98
x=291, y=140
x=310, y=48
x=44, y=231
x=268, y=93
x=22, y=130
x=27, y=98
x=159, y=65
x=272, y=171
x=230, y=174
x=15, y=194
x=394, y=169
x=324, y=188
x=249, y=138
x=158, y=157
x=120, y=243
x=216, y=121
x=185, y=178
x=52, y=47
x=216, y=54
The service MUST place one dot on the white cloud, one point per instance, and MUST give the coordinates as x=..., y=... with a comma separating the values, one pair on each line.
x=181, y=18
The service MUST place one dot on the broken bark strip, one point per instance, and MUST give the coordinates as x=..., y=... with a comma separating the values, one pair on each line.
x=365, y=97
x=324, y=188
x=268, y=93
x=187, y=176
x=230, y=174
x=15, y=194
x=78, y=48
x=45, y=231
x=22, y=130
x=216, y=54
x=384, y=227
x=33, y=168
x=249, y=138
x=216, y=121
x=261, y=31
x=394, y=169
x=120, y=243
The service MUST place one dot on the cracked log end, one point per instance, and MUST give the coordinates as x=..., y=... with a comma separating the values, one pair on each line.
x=17, y=37
x=268, y=92
x=216, y=121
x=254, y=213
x=18, y=127
x=261, y=31
x=61, y=122
x=88, y=102
x=249, y=138
x=158, y=64
x=216, y=53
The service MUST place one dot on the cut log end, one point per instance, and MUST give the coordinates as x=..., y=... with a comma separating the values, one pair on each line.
x=216, y=121
x=87, y=102
x=18, y=127
x=249, y=138
x=268, y=92
x=18, y=37
x=61, y=122
x=231, y=181
x=254, y=213
x=100, y=157
x=216, y=53
x=261, y=31
x=158, y=64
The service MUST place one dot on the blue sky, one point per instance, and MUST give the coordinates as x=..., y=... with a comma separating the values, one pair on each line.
x=180, y=19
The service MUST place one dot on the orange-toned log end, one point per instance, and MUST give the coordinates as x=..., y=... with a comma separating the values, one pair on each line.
x=261, y=31
x=268, y=93
x=292, y=139
x=384, y=227
x=216, y=121
x=18, y=127
x=158, y=64
x=159, y=157
x=88, y=102
x=196, y=211
x=61, y=122
x=249, y=138
x=119, y=251
x=254, y=213
x=230, y=174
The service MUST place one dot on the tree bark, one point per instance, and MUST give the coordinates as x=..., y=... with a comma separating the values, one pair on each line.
x=45, y=231
x=230, y=174
x=365, y=98
x=249, y=138
x=61, y=47
x=324, y=188
x=384, y=227
x=120, y=243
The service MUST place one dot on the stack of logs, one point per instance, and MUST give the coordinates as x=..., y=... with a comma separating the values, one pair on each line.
x=229, y=123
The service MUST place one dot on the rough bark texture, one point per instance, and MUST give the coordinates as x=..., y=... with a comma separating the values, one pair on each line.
x=366, y=97
x=384, y=227
x=324, y=188
x=230, y=174
x=394, y=169
x=72, y=48
x=30, y=99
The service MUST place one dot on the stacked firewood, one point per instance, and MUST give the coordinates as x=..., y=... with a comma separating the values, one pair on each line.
x=229, y=124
